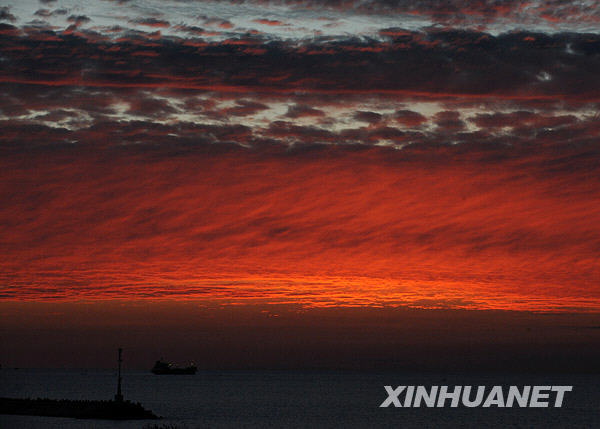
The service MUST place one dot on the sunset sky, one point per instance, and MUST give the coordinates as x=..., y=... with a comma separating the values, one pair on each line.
x=289, y=158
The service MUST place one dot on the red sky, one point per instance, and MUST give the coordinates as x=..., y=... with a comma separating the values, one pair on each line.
x=225, y=159
x=319, y=227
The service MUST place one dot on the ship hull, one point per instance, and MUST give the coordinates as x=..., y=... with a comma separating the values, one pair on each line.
x=175, y=371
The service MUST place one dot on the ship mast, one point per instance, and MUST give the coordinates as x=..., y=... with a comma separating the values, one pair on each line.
x=119, y=396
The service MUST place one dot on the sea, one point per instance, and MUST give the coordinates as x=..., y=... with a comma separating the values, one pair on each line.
x=293, y=399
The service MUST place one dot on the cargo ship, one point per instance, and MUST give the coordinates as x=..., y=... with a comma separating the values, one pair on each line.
x=161, y=368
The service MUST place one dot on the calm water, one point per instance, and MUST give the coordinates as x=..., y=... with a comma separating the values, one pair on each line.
x=259, y=399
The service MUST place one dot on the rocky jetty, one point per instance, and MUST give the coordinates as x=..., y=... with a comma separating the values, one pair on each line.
x=80, y=409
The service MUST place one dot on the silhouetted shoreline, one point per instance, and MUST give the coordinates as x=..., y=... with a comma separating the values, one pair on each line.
x=80, y=409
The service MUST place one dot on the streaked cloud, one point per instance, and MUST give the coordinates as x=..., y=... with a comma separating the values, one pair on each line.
x=346, y=154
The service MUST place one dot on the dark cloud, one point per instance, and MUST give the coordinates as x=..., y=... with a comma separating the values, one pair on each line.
x=151, y=107
x=105, y=133
x=78, y=19
x=270, y=22
x=475, y=13
x=366, y=116
x=409, y=118
x=302, y=111
x=449, y=120
x=244, y=108
x=151, y=22
x=191, y=29
x=84, y=75
x=46, y=13
x=59, y=115
x=216, y=22
x=291, y=133
x=92, y=116
x=8, y=30
x=451, y=65
x=5, y=14
x=521, y=118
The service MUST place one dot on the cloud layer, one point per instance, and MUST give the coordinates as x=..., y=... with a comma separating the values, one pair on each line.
x=366, y=227
x=233, y=155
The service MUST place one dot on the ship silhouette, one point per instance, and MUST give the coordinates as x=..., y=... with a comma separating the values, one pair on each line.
x=162, y=368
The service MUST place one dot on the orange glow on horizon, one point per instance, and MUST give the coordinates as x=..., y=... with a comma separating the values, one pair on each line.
x=360, y=228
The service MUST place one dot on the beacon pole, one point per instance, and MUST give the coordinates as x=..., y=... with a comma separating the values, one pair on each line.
x=119, y=396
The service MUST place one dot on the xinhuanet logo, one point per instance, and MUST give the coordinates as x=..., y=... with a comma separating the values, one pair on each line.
x=478, y=396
